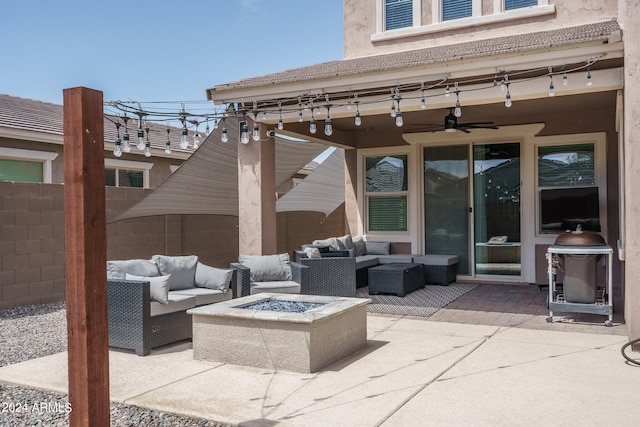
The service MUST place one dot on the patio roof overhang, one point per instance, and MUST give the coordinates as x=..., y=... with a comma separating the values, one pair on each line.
x=472, y=65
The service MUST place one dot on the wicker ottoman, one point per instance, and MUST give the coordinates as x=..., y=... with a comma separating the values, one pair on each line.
x=439, y=269
x=396, y=278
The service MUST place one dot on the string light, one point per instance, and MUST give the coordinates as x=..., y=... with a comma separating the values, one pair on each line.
x=224, y=137
x=399, y=121
x=280, y=122
x=358, y=119
x=458, y=110
x=147, y=145
x=589, y=81
x=256, y=128
x=167, y=145
x=507, y=99
x=184, y=136
x=244, y=131
x=117, y=147
x=447, y=91
x=140, y=144
x=126, y=146
x=423, y=101
x=312, y=124
x=328, y=129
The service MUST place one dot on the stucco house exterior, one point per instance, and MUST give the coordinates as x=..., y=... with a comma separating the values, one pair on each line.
x=500, y=118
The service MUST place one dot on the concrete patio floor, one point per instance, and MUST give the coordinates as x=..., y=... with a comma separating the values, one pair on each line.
x=413, y=372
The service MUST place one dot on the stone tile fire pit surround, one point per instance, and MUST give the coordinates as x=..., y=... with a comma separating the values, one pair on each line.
x=301, y=342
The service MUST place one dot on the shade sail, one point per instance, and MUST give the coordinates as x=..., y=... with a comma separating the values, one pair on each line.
x=321, y=191
x=207, y=182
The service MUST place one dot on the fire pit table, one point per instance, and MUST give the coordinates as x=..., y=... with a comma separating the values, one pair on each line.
x=317, y=331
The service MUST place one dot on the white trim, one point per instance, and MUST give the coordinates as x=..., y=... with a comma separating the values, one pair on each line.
x=437, y=25
x=145, y=167
x=44, y=157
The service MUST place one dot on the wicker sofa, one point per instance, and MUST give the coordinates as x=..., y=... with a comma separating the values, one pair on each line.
x=269, y=273
x=148, y=299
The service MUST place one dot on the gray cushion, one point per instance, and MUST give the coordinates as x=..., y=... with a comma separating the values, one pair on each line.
x=212, y=277
x=364, y=261
x=332, y=242
x=276, y=287
x=360, y=248
x=139, y=267
x=181, y=268
x=347, y=242
x=203, y=295
x=437, y=259
x=176, y=303
x=266, y=268
x=378, y=248
x=312, y=252
x=159, y=286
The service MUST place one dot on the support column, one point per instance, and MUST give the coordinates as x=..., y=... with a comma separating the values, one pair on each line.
x=351, y=209
x=629, y=13
x=86, y=257
x=257, y=196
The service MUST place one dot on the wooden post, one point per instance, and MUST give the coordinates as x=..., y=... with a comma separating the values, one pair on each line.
x=86, y=249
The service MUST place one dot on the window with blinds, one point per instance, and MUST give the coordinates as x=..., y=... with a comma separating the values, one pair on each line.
x=124, y=178
x=20, y=171
x=518, y=4
x=386, y=192
x=456, y=9
x=398, y=14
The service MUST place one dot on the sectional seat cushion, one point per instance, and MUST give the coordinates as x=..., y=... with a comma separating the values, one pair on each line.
x=181, y=268
x=138, y=267
x=203, y=295
x=159, y=286
x=265, y=268
x=365, y=261
x=276, y=286
x=176, y=303
x=395, y=258
x=213, y=278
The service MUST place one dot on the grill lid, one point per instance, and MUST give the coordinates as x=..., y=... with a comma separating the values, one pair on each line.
x=580, y=238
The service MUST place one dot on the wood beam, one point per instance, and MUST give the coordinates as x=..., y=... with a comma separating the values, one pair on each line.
x=86, y=259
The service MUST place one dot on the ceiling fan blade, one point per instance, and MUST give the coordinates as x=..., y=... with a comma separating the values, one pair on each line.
x=462, y=129
x=479, y=126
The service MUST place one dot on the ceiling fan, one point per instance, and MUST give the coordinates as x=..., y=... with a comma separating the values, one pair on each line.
x=451, y=124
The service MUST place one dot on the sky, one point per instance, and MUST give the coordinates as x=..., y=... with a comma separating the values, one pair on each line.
x=159, y=50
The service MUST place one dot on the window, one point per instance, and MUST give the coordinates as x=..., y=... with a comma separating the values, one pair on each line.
x=568, y=191
x=125, y=173
x=386, y=192
x=124, y=178
x=26, y=165
x=519, y=4
x=398, y=14
x=456, y=9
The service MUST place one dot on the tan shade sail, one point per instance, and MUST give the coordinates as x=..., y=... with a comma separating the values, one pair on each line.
x=207, y=182
x=321, y=191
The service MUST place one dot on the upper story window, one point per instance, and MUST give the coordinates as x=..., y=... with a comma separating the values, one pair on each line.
x=518, y=4
x=398, y=14
x=402, y=18
x=456, y=9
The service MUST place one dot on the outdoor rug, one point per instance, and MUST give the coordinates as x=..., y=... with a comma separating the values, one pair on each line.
x=423, y=302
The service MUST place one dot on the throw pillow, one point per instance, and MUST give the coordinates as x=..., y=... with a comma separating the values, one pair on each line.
x=266, y=268
x=139, y=267
x=332, y=242
x=378, y=248
x=359, y=246
x=347, y=241
x=213, y=278
x=181, y=268
x=159, y=286
x=312, y=252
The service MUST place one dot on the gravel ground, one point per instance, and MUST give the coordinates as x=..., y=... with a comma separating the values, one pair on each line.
x=36, y=331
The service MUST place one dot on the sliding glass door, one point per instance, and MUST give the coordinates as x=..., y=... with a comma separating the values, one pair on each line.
x=446, y=202
x=496, y=204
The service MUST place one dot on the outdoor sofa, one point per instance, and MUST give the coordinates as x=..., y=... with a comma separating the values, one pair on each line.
x=148, y=299
x=440, y=269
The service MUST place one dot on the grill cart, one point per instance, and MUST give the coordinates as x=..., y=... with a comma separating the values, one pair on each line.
x=580, y=251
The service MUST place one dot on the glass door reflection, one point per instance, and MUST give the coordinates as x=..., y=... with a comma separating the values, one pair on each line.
x=496, y=196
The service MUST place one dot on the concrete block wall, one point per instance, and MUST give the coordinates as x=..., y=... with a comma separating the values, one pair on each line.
x=32, y=248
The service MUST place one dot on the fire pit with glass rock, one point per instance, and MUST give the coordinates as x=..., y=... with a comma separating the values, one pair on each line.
x=292, y=332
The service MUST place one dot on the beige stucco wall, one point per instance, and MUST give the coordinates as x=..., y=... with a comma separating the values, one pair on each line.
x=360, y=24
x=629, y=18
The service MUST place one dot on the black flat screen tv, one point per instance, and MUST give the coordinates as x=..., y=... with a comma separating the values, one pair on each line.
x=563, y=209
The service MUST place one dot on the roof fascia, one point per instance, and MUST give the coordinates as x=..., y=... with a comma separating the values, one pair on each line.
x=29, y=135
x=429, y=72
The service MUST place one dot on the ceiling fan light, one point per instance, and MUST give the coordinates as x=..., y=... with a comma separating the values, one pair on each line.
x=450, y=130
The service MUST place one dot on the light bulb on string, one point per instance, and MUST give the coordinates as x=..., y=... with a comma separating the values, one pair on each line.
x=328, y=129
x=126, y=146
x=552, y=89
x=507, y=100
x=589, y=81
x=358, y=119
x=393, y=107
x=300, y=116
x=196, y=136
x=147, y=145
x=280, y=122
x=140, y=143
x=224, y=137
x=457, y=110
x=399, y=121
x=117, y=147
x=423, y=101
x=447, y=91
x=206, y=129
x=565, y=79
x=167, y=145
x=244, y=132
x=256, y=129
x=312, y=125
x=184, y=138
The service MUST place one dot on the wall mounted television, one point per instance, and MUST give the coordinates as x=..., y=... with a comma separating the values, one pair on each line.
x=563, y=209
